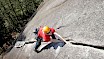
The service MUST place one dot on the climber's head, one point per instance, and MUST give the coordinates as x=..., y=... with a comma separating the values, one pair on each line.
x=46, y=29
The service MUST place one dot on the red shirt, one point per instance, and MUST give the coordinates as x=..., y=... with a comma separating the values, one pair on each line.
x=46, y=38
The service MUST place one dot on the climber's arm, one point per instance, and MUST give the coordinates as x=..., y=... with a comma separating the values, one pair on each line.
x=60, y=37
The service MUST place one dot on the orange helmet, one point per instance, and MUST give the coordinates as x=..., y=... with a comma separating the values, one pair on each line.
x=46, y=29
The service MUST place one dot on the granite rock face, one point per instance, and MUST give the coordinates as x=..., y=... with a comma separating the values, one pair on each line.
x=79, y=20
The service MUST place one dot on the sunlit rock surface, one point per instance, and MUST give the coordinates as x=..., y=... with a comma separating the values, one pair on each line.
x=80, y=20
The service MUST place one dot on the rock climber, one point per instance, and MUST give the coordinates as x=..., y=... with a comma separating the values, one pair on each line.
x=45, y=34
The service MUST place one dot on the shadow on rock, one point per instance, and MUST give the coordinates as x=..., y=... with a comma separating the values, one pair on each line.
x=21, y=37
x=54, y=45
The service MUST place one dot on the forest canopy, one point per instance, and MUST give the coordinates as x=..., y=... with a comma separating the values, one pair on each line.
x=14, y=15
